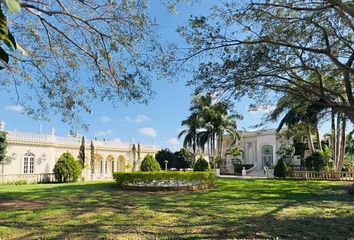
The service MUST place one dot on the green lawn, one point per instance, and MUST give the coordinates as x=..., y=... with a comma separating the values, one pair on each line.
x=233, y=209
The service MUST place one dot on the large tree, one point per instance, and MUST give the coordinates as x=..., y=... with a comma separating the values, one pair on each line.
x=251, y=48
x=75, y=51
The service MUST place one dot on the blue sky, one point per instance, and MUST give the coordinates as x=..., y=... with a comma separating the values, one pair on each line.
x=158, y=122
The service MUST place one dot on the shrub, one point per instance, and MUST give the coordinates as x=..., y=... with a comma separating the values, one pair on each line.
x=149, y=164
x=201, y=165
x=18, y=182
x=281, y=169
x=317, y=162
x=172, y=178
x=67, y=169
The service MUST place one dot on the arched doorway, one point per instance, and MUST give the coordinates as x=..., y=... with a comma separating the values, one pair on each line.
x=110, y=164
x=121, y=164
x=267, y=156
x=98, y=165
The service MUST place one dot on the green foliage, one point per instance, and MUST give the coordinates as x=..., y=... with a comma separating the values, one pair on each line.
x=18, y=182
x=179, y=159
x=117, y=58
x=258, y=57
x=82, y=156
x=281, y=169
x=319, y=161
x=67, y=169
x=162, y=155
x=286, y=152
x=13, y=5
x=149, y=164
x=201, y=165
x=124, y=179
x=134, y=158
x=3, y=147
x=349, y=162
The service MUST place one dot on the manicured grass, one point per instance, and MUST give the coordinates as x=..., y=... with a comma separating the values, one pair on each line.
x=234, y=209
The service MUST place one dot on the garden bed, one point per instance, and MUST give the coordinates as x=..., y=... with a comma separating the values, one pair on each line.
x=165, y=181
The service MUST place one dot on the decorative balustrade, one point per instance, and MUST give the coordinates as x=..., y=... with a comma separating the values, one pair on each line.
x=313, y=175
x=28, y=137
x=45, y=138
x=28, y=178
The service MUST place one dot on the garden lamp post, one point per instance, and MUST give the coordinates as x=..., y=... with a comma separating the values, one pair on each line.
x=166, y=161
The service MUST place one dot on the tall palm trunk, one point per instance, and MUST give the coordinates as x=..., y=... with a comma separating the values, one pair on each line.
x=342, y=144
x=319, y=144
x=338, y=139
x=333, y=136
x=309, y=139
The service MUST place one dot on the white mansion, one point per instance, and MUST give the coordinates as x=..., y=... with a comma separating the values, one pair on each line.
x=32, y=156
x=259, y=149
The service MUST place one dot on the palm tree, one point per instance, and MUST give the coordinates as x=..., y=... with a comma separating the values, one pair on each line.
x=191, y=132
x=235, y=152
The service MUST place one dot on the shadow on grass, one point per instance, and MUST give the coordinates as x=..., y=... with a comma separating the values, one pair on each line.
x=233, y=209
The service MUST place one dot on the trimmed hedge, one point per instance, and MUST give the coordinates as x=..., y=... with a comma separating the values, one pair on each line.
x=150, y=164
x=173, y=179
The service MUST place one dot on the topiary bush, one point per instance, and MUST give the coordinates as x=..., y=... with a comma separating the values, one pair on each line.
x=67, y=169
x=201, y=165
x=281, y=169
x=149, y=164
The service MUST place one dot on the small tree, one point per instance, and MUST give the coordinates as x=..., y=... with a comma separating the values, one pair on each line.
x=82, y=155
x=281, y=169
x=92, y=151
x=139, y=153
x=3, y=147
x=149, y=164
x=134, y=158
x=201, y=165
x=67, y=169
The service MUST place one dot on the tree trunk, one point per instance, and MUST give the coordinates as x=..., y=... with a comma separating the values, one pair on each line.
x=319, y=144
x=309, y=139
x=333, y=136
x=342, y=144
x=338, y=131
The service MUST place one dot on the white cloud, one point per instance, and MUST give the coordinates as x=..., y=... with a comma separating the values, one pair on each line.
x=261, y=109
x=173, y=141
x=14, y=108
x=103, y=133
x=105, y=119
x=138, y=119
x=148, y=132
x=117, y=140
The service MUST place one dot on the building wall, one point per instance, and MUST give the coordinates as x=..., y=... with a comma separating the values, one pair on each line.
x=46, y=150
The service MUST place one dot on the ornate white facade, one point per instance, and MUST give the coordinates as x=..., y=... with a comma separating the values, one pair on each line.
x=30, y=153
x=259, y=148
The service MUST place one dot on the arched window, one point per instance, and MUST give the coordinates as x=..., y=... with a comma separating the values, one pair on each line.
x=101, y=166
x=267, y=155
x=28, y=163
